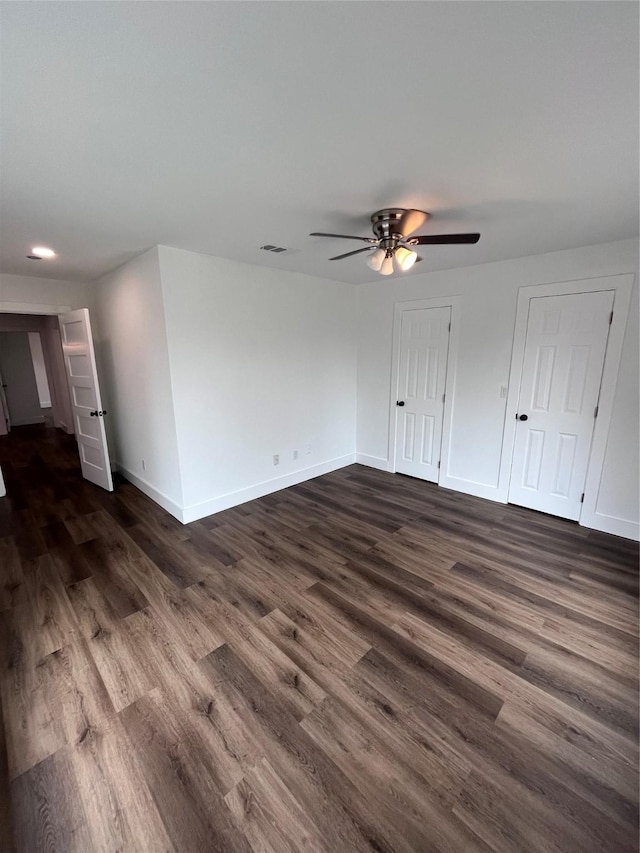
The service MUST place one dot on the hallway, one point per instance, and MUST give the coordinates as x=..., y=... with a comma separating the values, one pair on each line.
x=363, y=662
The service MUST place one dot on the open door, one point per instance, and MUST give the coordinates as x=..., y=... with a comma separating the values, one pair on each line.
x=88, y=414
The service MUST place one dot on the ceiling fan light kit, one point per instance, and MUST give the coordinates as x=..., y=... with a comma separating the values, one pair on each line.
x=387, y=265
x=374, y=261
x=393, y=228
x=405, y=258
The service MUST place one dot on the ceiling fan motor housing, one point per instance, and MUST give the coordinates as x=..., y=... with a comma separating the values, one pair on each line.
x=386, y=226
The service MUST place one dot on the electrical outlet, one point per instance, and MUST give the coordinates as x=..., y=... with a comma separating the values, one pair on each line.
x=144, y=465
x=295, y=454
x=307, y=449
x=276, y=459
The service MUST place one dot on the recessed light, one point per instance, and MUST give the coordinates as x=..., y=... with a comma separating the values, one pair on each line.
x=39, y=252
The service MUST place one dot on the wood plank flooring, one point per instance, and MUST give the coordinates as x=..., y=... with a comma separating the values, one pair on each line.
x=363, y=662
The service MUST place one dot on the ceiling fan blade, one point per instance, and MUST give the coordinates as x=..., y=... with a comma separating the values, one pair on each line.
x=441, y=239
x=348, y=254
x=342, y=236
x=411, y=220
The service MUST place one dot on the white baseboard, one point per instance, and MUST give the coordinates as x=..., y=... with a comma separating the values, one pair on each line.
x=201, y=510
x=593, y=521
x=610, y=524
x=29, y=422
x=373, y=462
x=165, y=502
x=470, y=487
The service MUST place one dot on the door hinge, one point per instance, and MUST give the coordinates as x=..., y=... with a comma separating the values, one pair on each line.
x=443, y=396
x=595, y=414
x=611, y=318
x=582, y=498
x=449, y=326
x=438, y=464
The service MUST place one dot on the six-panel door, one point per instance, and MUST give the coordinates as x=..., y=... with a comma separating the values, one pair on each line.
x=424, y=346
x=562, y=369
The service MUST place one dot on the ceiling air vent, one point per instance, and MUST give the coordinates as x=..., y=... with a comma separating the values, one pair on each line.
x=277, y=250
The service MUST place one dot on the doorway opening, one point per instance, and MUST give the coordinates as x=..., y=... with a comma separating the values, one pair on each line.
x=34, y=383
x=25, y=396
x=50, y=359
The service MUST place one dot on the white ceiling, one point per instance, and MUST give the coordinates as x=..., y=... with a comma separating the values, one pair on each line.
x=219, y=127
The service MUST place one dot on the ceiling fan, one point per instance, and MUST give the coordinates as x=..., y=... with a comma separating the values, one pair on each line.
x=393, y=227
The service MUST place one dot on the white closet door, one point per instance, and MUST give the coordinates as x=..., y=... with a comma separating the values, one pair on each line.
x=563, y=360
x=424, y=347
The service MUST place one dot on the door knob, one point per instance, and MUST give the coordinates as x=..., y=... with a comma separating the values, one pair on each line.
x=93, y=414
x=399, y=402
x=523, y=417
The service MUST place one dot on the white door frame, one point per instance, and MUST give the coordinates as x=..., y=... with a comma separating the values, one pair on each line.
x=28, y=308
x=621, y=285
x=452, y=302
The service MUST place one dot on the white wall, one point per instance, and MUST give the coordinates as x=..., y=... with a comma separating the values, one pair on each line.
x=39, y=369
x=22, y=291
x=263, y=362
x=209, y=367
x=488, y=299
x=16, y=368
x=133, y=364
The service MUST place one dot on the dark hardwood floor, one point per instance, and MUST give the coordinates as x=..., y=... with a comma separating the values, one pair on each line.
x=364, y=662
